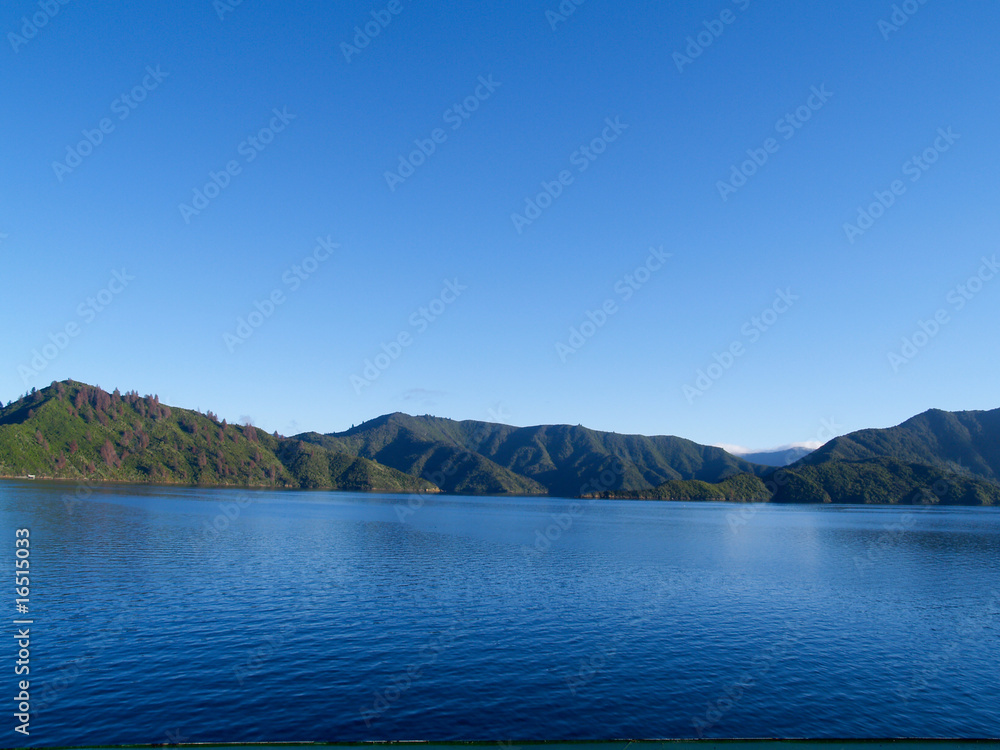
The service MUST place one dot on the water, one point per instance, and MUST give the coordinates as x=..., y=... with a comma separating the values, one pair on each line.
x=334, y=616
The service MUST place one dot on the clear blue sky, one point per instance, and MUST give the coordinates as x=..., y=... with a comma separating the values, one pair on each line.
x=492, y=351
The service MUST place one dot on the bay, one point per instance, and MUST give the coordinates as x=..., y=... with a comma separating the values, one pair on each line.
x=203, y=615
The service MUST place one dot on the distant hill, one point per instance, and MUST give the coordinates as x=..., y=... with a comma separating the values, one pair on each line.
x=965, y=442
x=782, y=457
x=938, y=457
x=882, y=480
x=562, y=460
x=71, y=430
x=742, y=488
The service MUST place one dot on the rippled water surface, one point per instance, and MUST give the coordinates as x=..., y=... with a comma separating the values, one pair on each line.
x=165, y=615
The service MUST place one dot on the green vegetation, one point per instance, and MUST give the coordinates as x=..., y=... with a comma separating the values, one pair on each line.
x=72, y=430
x=489, y=458
x=742, y=488
x=965, y=442
x=882, y=480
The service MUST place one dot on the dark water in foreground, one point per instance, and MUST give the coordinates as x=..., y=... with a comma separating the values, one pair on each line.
x=322, y=616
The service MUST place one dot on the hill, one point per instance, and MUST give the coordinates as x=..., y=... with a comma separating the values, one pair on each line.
x=742, y=488
x=71, y=430
x=782, y=457
x=882, y=480
x=563, y=460
x=964, y=442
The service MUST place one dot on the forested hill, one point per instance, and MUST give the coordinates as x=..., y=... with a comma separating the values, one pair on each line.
x=564, y=460
x=935, y=458
x=71, y=430
x=965, y=442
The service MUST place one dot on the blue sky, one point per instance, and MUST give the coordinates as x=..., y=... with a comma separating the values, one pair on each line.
x=790, y=317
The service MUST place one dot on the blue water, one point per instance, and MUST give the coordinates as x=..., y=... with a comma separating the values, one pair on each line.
x=334, y=616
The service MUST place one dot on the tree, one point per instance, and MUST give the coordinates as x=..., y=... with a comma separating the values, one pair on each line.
x=108, y=454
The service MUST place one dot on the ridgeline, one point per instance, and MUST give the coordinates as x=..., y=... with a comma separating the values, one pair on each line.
x=75, y=431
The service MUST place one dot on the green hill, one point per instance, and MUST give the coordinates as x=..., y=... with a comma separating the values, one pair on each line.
x=742, y=488
x=885, y=481
x=562, y=460
x=964, y=442
x=72, y=430
x=882, y=480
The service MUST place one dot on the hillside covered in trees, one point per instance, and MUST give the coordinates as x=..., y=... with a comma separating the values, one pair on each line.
x=71, y=430
x=564, y=460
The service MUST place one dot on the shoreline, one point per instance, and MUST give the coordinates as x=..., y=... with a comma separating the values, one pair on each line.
x=441, y=493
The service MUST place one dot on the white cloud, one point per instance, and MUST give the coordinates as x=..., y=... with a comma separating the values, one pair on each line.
x=736, y=450
x=739, y=450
